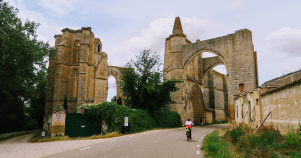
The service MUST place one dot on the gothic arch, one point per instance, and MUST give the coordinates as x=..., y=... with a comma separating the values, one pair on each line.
x=235, y=51
x=116, y=73
x=195, y=100
x=206, y=71
x=198, y=52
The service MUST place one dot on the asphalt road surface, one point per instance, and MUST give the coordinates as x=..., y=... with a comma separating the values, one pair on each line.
x=168, y=143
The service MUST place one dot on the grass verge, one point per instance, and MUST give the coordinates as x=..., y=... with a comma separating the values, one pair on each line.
x=240, y=141
x=38, y=138
x=214, y=146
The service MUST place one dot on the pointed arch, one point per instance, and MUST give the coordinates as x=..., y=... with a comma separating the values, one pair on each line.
x=195, y=98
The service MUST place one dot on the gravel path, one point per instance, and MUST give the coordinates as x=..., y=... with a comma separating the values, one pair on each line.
x=18, y=147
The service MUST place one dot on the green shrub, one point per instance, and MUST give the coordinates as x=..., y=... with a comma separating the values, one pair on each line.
x=167, y=119
x=235, y=133
x=139, y=120
x=216, y=147
x=293, y=140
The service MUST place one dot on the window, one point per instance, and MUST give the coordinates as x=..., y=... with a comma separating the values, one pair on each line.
x=237, y=111
x=242, y=110
x=241, y=87
x=98, y=48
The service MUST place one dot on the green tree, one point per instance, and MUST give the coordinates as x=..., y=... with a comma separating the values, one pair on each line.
x=142, y=83
x=119, y=101
x=113, y=99
x=21, y=58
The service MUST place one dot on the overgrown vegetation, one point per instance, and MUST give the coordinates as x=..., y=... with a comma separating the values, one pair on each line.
x=38, y=138
x=23, y=72
x=266, y=143
x=142, y=84
x=139, y=120
x=214, y=146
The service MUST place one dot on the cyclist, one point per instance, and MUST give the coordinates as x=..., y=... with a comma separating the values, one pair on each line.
x=189, y=125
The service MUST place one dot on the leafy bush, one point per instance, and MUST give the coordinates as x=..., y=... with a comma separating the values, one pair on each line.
x=139, y=120
x=216, y=147
x=293, y=140
x=167, y=119
x=265, y=143
x=235, y=133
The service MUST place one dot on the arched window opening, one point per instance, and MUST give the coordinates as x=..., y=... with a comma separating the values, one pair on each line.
x=98, y=48
x=76, y=49
x=219, y=68
x=112, y=89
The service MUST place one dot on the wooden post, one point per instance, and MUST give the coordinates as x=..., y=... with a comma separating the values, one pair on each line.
x=263, y=121
x=244, y=117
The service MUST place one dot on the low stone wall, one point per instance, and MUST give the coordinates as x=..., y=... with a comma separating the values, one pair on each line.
x=285, y=105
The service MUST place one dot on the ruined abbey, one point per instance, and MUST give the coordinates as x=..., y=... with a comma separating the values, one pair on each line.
x=206, y=95
x=79, y=72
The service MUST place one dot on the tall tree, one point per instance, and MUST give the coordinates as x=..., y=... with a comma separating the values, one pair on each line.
x=21, y=58
x=142, y=83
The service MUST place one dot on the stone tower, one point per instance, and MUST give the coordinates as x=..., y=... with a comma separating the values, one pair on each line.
x=79, y=71
x=185, y=62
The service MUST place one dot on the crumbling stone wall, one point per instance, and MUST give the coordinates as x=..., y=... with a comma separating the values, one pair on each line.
x=216, y=95
x=79, y=71
x=185, y=62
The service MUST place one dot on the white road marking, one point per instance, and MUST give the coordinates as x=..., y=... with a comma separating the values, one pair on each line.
x=85, y=148
x=198, y=146
x=113, y=140
x=202, y=137
x=198, y=152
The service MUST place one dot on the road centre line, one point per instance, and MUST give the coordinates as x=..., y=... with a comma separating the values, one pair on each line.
x=198, y=152
x=198, y=146
x=113, y=140
x=85, y=148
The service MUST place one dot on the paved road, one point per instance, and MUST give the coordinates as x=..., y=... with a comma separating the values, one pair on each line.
x=158, y=143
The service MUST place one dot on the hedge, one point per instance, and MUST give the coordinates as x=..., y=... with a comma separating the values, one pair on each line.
x=139, y=120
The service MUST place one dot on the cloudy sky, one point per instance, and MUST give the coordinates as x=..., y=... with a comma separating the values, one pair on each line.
x=126, y=27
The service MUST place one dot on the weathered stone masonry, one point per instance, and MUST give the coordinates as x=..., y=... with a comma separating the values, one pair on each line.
x=185, y=62
x=79, y=71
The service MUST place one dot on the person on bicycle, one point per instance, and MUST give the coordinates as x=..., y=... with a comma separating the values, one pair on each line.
x=189, y=125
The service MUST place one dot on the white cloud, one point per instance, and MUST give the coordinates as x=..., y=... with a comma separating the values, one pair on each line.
x=59, y=7
x=237, y=3
x=196, y=28
x=286, y=40
x=154, y=37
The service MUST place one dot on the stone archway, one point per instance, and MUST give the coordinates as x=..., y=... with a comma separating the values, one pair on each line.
x=195, y=105
x=116, y=73
x=184, y=61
